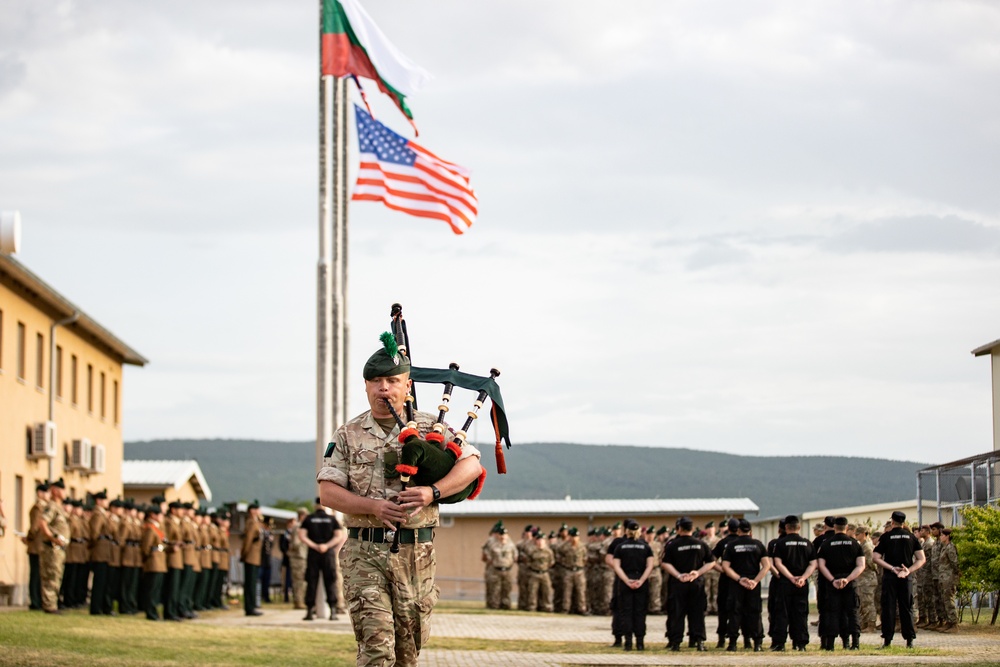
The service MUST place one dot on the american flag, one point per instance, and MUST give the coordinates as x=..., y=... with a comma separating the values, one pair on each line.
x=409, y=178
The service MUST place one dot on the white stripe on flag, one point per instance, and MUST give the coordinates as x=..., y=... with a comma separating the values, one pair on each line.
x=398, y=71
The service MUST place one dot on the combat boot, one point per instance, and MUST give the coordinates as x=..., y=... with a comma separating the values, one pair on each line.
x=950, y=628
x=777, y=648
x=732, y=645
x=639, y=643
x=886, y=643
x=757, y=648
x=855, y=645
x=722, y=642
x=628, y=642
x=844, y=642
x=618, y=642
x=309, y=615
x=700, y=647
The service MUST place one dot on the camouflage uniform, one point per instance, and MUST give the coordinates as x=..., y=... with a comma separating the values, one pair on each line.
x=595, y=578
x=390, y=596
x=501, y=557
x=490, y=580
x=573, y=558
x=655, y=579
x=539, y=563
x=946, y=573
x=52, y=558
x=712, y=583
x=923, y=588
x=867, y=583
x=298, y=552
x=524, y=549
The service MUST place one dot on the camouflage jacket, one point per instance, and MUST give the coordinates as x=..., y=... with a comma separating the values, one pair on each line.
x=363, y=460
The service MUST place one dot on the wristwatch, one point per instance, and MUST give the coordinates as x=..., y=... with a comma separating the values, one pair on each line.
x=436, y=492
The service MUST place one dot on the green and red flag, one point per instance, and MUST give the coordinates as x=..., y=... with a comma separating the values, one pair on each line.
x=351, y=44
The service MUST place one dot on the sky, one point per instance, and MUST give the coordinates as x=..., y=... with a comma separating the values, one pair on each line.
x=767, y=228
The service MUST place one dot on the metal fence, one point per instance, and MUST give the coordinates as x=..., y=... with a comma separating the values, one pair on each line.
x=964, y=483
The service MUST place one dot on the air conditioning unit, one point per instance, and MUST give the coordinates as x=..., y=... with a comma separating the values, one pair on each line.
x=81, y=455
x=97, y=459
x=43, y=440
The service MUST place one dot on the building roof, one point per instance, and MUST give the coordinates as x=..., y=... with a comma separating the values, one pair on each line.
x=13, y=271
x=268, y=511
x=986, y=349
x=619, y=508
x=161, y=474
x=862, y=509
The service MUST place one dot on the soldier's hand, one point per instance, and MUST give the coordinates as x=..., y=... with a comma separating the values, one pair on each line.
x=389, y=513
x=415, y=497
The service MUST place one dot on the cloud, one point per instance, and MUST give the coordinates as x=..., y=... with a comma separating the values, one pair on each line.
x=925, y=234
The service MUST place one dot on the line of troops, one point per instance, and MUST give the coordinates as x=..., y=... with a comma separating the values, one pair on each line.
x=558, y=572
x=116, y=552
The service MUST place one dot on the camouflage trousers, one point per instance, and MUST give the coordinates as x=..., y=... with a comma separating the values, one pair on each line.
x=52, y=561
x=574, y=591
x=556, y=575
x=539, y=597
x=945, y=599
x=390, y=598
x=866, y=602
x=595, y=582
x=298, y=567
x=522, y=586
x=712, y=591
x=925, y=598
x=498, y=593
x=655, y=590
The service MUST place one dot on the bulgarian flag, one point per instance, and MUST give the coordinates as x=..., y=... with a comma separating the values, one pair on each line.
x=351, y=44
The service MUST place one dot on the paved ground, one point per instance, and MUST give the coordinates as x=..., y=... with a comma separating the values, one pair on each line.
x=948, y=648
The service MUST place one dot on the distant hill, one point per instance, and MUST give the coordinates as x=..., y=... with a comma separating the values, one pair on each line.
x=269, y=471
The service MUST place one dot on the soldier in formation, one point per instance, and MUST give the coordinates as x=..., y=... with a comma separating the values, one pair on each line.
x=501, y=556
x=540, y=561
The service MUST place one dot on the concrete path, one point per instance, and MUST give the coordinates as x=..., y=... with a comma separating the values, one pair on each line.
x=595, y=630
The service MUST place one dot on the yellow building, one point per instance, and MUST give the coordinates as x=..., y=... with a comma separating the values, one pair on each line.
x=61, y=419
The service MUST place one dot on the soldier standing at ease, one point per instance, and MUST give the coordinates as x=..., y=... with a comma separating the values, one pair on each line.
x=192, y=562
x=322, y=533
x=947, y=573
x=500, y=558
x=686, y=560
x=899, y=554
x=929, y=602
x=632, y=562
x=556, y=573
x=250, y=555
x=572, y=556
x=656, y=576
x=595, y=572
x=298, y=554
x=34, y=541
x=152, y=548
x=712, y=576
x=725, y=583
x=175, y=564
x=540, y=560
x=490, y=581
x=745, y=562
x=841, y=562
x=130, y=538
x=101, y=540
x=867, y=583
x=795, y=559
x=526, y=544
x=611, y=585
x=53, y=525
x=75, y=595
x=115, y=515
x=774, y=585
x=220, y=559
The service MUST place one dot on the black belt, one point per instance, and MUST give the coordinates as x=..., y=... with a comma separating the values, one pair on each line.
x=131, y=543
x=54, y=545
x=572, y=569
x=501, y=569
x=538, y=571
x=406, y=535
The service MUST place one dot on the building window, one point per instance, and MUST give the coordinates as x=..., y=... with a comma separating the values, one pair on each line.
x=21, y=335
x=114, y=398
x=103, y=392
x=90, y=388
x=39, y=360
x=19, y=504
x=73, y=379
x=59, y=371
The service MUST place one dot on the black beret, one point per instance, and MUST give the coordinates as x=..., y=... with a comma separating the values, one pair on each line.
x=573, y=532
x=685, y=523
x=42, y=487
x=662, y=530
x=710, y=524
x=631, y=524
x=386, y=361
x=828, y=521
x=651, y=529
x=528, y=528
x=744, y=525
x=101, y=495
x=175, y=504
x=59, y=482
x=117, y=502
x=255, y=505
x=791, y=520
x=840, y=521
x=733, y=525
x=898, y=517
x=158, y=499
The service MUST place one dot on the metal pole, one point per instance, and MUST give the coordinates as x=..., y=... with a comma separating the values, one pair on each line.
x=920, y=498
x=937, y=485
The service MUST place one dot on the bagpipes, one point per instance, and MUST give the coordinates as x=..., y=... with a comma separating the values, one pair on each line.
x=427, y=460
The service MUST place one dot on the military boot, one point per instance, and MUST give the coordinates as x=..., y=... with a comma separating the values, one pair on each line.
x=628, y=642
x=855, y=639
x=638, y=643
x=732, y=645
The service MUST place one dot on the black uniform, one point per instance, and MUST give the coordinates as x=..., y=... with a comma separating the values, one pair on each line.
x=320, y=527
x=616, y=629
x=686, y=599
x=744, y=555
x=822, y=585
x=630, y=611
x=898, y=547
x=840, y=553
x=725, y=583
x=790, y=613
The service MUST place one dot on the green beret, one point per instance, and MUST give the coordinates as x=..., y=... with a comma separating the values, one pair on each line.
x=386, y=361
x=59, y=482
x=573, y=532
x=662, y=530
